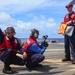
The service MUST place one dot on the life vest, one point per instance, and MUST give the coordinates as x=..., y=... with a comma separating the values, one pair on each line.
x=71, y=17
x=11, y=44
x=67, y=18
x=2, y=46
x=29, y=42
x=8, y=44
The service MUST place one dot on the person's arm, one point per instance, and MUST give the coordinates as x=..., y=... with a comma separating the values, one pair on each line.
x=1, y=36
x=22, y=51
x=36, y=49
x=20, y=47
x=71, y=21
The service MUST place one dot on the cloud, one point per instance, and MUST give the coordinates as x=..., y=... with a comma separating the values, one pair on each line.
x=6, y=18
x=9, y=9
x=53, y=3
x=18, y=6
x=23, y=28
x=15, y=6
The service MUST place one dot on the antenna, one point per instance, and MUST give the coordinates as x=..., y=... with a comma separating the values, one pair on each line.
x=73, y=2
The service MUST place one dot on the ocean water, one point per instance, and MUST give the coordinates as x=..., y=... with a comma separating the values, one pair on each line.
x=48, y=40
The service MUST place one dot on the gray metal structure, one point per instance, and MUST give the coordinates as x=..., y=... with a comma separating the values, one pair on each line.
x=73, y=2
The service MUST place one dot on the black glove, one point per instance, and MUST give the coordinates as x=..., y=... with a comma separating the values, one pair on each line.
x=45, y=44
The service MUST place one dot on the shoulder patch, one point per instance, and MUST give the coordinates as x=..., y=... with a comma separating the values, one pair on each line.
x=72, y=15
x=28, y=41
x=7, y=38
x=66, y=16
x=16, y=41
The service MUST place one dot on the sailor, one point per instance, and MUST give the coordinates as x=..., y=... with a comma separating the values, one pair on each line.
x=9, y=46
x=34, y=51
x=70, y=40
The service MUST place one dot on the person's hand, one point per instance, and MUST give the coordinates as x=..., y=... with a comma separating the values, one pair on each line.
x=46, y=44
x=69, y=22
x=74, y=22
x=24, y=55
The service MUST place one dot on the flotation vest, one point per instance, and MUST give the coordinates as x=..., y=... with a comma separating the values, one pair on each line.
x=29, y=42
x=8, y=44
x=11, y=44
x=2, y=45
x=67, y=18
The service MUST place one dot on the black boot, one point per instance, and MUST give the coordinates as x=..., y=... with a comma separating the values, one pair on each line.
x=73, y=62
x=65, y=59
x=7, y=70
x=39, y=65
x=30, y=67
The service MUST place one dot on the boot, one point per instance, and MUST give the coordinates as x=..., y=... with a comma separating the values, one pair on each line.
x=30, y=67
x=7, y=70
x=39, y=65
x=65, y=59
x=73, y=62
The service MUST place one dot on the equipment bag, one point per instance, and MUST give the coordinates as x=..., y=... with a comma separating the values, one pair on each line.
x=69, y=30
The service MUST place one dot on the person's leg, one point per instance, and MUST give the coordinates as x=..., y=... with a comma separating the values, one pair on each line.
x=5, y=57
x=67, y=48
x=37, y=58
x=34, y=60
x=16, y=60
x=72, y=44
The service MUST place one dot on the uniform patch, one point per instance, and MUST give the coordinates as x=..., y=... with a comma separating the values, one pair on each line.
x=7, y=38
x=72, y=15
x=28, y=41
x=16, y=41
x=67, y=16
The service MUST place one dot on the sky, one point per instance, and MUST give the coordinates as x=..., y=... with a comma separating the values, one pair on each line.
x=24, y=15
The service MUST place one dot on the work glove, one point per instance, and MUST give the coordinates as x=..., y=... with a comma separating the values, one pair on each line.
x=45, y=44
